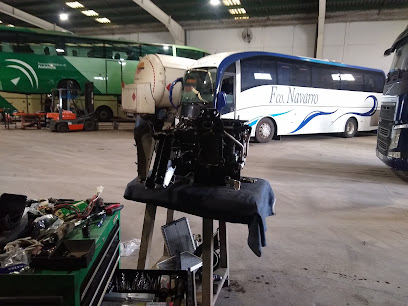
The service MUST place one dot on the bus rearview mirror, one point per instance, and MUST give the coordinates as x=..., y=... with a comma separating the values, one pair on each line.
x=221, y=100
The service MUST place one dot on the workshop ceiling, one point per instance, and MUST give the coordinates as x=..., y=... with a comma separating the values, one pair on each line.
x=126, y=16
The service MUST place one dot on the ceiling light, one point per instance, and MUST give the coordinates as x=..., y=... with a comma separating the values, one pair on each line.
x=238, y=11
x=214, y=2
x=231, y=2
x=63, y=16
x=241, y=17
x=1, y=21
x=103, y=20
x=90, y=13
x=74, y=4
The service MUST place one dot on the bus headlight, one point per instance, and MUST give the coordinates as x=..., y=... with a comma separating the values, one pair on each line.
x=395, y=135
x=394, y=154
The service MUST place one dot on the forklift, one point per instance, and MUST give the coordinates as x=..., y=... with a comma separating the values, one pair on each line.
x=80, y=119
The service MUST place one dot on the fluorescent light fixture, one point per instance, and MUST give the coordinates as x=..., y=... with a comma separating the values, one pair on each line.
x=74, y=4
x=63, y=16
x=262, y=76
x=103, y=20
x=60, y=50
x=238, y=11
x=241, y=17
x=90, y=13
x=231, y=2
x=342, y=77
x=214, y=2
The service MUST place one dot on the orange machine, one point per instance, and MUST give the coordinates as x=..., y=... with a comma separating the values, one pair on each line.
x=65, y=120
x=30, y=120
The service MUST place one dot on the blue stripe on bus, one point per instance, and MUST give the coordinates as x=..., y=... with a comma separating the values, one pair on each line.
x=255, y=121
x=310, y=117
x=366, y=114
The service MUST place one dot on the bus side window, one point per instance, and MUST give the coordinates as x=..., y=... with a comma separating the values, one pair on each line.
x=122, y=51
x=285, y=74
x=6, y=47
x=8, y=40
x=301, y=76
x=50, y=50
x=325, y=78
x=373, y=82
x=152, y=49
x=22, y=48
x=257, y=72
x=193, y=54
x=351, y=80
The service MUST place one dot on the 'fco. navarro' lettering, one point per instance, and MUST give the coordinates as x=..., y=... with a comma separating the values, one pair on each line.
x=292, y=96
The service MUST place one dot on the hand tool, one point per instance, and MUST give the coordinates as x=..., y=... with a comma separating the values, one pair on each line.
x=113, y=208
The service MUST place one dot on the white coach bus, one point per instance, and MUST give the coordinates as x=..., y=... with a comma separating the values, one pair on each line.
x=279, y=94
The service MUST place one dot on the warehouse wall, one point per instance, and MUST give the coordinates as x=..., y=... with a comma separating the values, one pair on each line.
x=361, y=43
x=297, y=39
x=356, y=43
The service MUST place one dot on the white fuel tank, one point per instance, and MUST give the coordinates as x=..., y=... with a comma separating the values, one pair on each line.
x=153, y=77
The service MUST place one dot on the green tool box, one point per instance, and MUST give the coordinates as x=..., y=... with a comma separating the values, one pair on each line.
x=85, y=286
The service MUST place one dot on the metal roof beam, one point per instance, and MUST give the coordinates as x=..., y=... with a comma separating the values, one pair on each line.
x=26, y=17
x=175, y=29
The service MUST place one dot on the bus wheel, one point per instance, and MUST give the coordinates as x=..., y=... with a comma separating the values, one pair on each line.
x=62, y=127
x=350, y=129
x=264, y=130
x=104, y=113
x=89, y=125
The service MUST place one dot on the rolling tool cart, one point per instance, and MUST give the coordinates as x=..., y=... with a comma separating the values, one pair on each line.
x=69, y=281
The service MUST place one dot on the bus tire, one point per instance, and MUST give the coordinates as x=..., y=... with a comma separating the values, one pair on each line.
x=104, y=113
x=350, y=128
x=62, y=128
x=265, y=130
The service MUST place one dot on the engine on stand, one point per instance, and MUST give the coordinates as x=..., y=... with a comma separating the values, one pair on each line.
x=201, y=148
x=205, y=150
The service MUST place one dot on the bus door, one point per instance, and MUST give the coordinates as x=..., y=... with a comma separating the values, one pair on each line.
x=229, y=87
x=114, y=76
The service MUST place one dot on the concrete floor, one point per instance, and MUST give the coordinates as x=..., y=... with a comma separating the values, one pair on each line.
x=340, y=236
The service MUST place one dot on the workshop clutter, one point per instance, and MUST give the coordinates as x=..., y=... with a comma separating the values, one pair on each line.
x=149, y=287
x=128, y=248
x=33, y=232
x=173, y=283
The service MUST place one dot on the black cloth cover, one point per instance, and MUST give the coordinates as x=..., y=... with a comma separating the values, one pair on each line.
x=249, y=205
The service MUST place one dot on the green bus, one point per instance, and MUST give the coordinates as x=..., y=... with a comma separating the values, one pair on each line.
x=35, y=61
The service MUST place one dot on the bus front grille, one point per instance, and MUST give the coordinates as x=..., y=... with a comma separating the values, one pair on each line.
x=382, y=145
x=383, y=132
x=387, y=111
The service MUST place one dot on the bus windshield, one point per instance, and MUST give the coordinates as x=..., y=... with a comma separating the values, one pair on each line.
x=400, y=61
x=199, y=86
